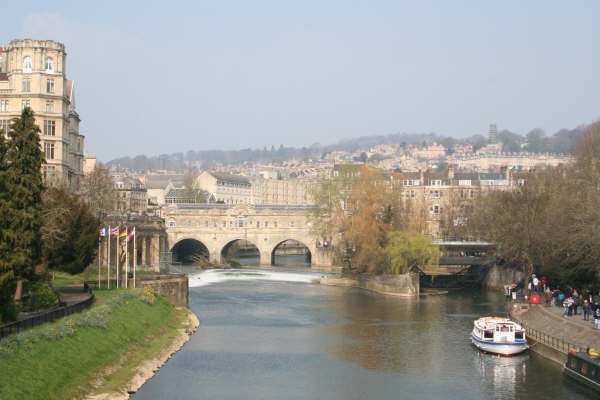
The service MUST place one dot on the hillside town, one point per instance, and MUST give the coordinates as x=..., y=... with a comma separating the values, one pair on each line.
x=432, y=176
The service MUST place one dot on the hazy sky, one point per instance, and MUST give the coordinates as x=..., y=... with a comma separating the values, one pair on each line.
x=158, y=77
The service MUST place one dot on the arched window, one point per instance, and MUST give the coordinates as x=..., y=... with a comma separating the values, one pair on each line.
x=27, y=64
x=49, y=64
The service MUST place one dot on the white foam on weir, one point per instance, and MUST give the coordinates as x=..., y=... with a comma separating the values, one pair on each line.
x=213, y=276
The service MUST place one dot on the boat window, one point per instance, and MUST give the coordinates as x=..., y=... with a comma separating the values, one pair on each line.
x=518, y=335
x=585, y=368
x=504, y=328
x=573, y=363
x=488, y=335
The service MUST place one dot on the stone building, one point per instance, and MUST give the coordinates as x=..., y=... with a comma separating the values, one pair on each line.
x=33, y=74
x=281, y=191
x=131, y=194
x=150, y=238
x=226, y=188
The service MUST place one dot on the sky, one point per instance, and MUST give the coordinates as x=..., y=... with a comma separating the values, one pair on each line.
x=158, y=77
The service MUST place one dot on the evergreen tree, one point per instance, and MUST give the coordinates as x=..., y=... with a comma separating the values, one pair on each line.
x=6, y=272
x=69, y=232
x=21, y=245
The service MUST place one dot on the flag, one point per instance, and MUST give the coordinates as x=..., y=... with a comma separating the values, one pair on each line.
x=103, y=232
x=114, y=232
x=131, y=234
x=123, y=233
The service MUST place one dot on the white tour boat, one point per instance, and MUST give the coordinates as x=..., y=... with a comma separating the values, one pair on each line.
x=499, y=335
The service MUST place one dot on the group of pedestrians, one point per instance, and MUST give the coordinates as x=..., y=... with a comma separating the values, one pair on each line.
x=575, y=303
x=571, y=300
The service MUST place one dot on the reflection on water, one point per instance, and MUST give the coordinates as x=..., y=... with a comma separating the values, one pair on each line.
x=504, y=374
x=271, y=334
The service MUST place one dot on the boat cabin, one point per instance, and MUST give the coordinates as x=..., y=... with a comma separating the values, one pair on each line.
x=498, y=330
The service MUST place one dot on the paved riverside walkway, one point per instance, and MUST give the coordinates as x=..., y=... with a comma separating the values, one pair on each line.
x=550, y=321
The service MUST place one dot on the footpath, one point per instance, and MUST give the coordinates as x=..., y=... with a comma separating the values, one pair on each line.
x=552, y=334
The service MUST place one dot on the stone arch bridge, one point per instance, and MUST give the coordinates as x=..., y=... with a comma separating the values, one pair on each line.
x=216, y=226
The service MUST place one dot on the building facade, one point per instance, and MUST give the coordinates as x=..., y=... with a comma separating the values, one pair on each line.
x=226, y=188
x=33, y=74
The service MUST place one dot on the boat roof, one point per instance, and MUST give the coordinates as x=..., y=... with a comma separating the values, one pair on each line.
x=585, y=356
x=491, y=322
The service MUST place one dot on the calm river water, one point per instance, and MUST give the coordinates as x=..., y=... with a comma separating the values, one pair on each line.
x=269, y=334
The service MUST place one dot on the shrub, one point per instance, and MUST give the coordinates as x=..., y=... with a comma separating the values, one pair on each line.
x=38, y=296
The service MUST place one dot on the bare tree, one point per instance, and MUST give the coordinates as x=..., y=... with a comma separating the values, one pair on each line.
x=98, y=191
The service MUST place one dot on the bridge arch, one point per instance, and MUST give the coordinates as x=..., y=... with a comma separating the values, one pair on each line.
x=242, y=251
x=296, y=251
x=190, y=252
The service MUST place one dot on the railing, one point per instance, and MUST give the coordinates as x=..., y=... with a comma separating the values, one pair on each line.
x=557, y=344
x=49, y=316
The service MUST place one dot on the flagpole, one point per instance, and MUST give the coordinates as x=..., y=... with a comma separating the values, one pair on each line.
x=99, y=254
x=134, y=256
x=108, y=261
x=118, y=258
x=126, y=258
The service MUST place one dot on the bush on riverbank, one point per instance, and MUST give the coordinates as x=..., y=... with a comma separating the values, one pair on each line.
x=60, y=360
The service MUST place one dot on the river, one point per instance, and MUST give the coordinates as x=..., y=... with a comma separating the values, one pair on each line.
x=272, y=334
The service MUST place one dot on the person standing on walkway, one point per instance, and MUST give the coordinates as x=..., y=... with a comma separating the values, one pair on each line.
x=548, y=294
x=597, y=318
x=536, y=283
x=586, y=310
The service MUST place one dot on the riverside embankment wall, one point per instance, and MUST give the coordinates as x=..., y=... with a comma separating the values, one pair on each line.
x=173, y=287
x=498, y=276
x=552, y=335
x=405, y=285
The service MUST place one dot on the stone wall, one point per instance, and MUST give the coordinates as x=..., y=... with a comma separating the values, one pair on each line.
x=173, y=287
x=499, y=276
x=406, y=285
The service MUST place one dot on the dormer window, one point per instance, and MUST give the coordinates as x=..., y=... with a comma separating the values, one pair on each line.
x=49, y=65
x=27, y=64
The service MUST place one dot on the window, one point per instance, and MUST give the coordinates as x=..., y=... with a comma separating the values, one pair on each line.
x=48, y=171
x=4, y=125
x=25, y=104
x=49, y=128
x=27, y=64
x=436, y=182
x=49, y=106
x=49, y=65
x=49, y=150
x=3, y=105
x=50, y=85
x=26, y=85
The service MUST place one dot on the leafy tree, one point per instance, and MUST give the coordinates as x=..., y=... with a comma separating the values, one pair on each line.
x=98, y=191
x=356, y=207
x=21, y=245
x=407, y=252
x=369, y=219
x=69, y=232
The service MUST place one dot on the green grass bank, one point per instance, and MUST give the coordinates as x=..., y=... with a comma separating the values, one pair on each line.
x=95, y=351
